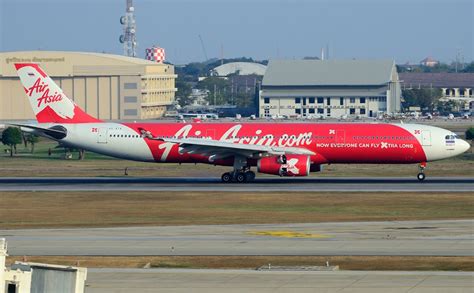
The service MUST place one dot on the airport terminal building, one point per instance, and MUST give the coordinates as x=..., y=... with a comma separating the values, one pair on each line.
x=330, y=88
x=109, y=87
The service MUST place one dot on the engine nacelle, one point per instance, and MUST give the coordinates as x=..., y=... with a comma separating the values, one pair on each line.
x=296, y=165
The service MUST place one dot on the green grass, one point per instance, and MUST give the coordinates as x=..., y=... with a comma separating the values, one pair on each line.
x=392, y=263
x=105, y=209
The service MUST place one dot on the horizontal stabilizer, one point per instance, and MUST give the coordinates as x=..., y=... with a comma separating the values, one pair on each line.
x=56, y=132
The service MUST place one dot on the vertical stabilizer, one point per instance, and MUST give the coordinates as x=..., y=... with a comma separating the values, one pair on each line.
x=48, y=101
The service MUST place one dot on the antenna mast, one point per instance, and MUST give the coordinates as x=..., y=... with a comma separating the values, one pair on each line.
x=128, y=38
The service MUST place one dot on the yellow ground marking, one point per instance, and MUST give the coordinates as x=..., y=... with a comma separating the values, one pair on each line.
x=287, y=234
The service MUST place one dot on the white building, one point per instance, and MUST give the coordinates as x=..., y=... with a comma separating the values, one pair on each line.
x=457, y=87
x=330, y=88
x=27, y=277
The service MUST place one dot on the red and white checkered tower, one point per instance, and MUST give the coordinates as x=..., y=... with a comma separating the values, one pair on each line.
x=156, y=54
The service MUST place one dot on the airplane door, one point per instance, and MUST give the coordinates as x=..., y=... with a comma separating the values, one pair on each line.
x=102, y=135
x=425, y=137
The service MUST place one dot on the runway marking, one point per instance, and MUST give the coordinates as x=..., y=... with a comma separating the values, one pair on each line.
x=287, y=234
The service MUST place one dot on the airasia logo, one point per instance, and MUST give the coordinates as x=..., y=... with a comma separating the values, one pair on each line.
x=234, y=135
x=40, y=87
x=291, y=166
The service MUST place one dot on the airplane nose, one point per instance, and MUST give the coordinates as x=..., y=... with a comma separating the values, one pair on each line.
x=464, y=146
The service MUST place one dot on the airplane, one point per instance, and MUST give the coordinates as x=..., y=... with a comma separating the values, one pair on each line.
x=282, y=149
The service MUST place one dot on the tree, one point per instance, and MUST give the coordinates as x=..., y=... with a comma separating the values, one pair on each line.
x=11, y=137
x=470, y=133
x=218, y=89
x=423, y=98
x=469, y=67
x=447, y=106
x=32, y=139
x=183, y=95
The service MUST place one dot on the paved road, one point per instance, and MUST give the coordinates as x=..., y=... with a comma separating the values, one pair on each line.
x=181, y=280
x=440, y=184
x=449, y=238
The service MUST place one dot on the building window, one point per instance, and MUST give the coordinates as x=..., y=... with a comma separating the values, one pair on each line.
x=130, y=99
x=362, y=111
x=320, y=100
x=311, y=100
x=362, y=100
x=130, y=112
x=267, y=112
x=266, y=100
x=130, y=85
x=352, y=111
x=320, y=111
x=297, y=111
x=329, y=112
x=352, y=100
x=311, y=111
x=297, y=100
x=341, y=101
x=328, y=101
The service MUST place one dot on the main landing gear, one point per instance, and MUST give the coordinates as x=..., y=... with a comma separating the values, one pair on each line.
x=241, y=172
x=421, y=176
x=239, y=176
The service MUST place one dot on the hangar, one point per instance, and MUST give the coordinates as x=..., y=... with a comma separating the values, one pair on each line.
x=239, y=68
x=330, y=88
x=106, y=86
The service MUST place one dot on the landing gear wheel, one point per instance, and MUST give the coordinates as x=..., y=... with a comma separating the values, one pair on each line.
x=249, y=176
x=226, y=177
x=240, y=177
x=421, y=176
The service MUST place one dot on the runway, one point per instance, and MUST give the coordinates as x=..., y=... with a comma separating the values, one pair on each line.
x=424, y=238
x=186, y=280
x=303, y=184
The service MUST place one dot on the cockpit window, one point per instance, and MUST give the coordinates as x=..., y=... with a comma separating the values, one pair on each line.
x=451, y=136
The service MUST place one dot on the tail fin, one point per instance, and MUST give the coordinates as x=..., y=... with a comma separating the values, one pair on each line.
x=48, y=101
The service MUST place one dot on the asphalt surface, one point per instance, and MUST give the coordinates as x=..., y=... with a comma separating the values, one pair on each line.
x=437, y=238
x=185, y=280
x=388, y=184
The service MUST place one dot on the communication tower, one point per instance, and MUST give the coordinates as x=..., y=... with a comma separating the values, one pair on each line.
x=128, y=38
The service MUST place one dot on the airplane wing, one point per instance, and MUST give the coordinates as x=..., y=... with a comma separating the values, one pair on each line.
x=216, y=149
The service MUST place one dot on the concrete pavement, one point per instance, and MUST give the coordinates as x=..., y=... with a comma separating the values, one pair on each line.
x=270, y=184
x=448, y=238
x=209, y=281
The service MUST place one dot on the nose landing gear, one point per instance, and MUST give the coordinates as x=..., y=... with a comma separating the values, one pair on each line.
x=421, y=176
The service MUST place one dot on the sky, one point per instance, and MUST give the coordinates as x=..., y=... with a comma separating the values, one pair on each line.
x=403, y=30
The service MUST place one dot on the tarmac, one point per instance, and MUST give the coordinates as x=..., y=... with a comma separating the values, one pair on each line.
x=422, y=238
x=188, y=280
x=301, y=184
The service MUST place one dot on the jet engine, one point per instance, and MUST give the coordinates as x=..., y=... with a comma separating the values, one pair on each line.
x=285, y=165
